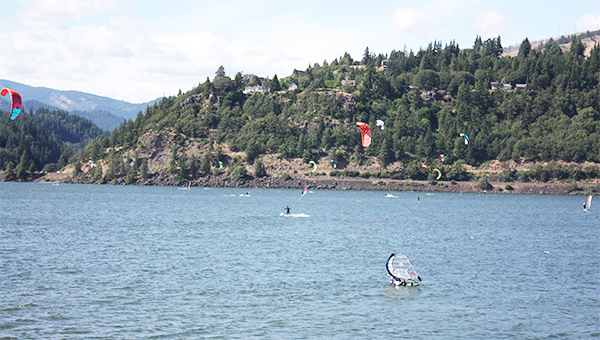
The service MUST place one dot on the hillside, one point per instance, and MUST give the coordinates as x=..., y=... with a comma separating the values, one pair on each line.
x=35, y=140
x=221, y=132
x=105, y=112
x=588, y=39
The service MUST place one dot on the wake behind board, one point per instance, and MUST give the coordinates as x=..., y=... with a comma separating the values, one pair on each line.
x=294, y=215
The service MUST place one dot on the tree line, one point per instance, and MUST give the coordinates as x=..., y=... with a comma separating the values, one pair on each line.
x=426, y=99
x=36, y=140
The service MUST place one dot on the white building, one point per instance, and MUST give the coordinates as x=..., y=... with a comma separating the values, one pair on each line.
x=256, y=88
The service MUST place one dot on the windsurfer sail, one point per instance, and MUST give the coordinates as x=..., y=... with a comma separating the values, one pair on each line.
x=401, y=271
x=588, y=204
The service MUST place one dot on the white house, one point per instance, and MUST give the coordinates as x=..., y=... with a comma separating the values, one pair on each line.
x=292, y=87
x=256, y=88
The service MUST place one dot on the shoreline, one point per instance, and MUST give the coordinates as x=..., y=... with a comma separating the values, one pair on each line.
x=345, y=183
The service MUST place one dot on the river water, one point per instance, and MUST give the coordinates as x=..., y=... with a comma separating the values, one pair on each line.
x=130, y=262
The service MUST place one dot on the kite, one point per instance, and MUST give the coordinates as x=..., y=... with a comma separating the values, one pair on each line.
x=464, y=135
x=439, y=174
x=442, y=157
x=91, y=164
x=15, y=98
x=314, y=165
x=381, y=124
x=220, y=165
x=365, y=133
x=334, y=164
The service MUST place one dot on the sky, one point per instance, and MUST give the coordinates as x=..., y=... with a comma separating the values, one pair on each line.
x=140, y=50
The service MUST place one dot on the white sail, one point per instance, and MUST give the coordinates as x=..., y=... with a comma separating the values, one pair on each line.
x=399, y=268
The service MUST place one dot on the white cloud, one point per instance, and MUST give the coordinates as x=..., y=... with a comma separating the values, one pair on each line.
x=56, y=13
x=587, y=22
x=408, y=20
x=491, y=23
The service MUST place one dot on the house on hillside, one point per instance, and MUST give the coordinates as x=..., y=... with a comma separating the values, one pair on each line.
x=256, y=88
x=507, y=87
x=292, y=87
x=348, y=82
x=521, y=86
x=384, y=64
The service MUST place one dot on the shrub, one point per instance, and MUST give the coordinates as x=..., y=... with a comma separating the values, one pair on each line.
x=508, y=187
x=483, y=184
x=239, y=173
x=381, y=183
x=285, y=176
x=259, y=169
x=351, y=173
x=572, y=187
x=334, y=173
x=365, y=174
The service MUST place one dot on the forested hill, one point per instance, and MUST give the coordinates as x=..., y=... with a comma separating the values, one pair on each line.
x=537, y=106
x=42, y=137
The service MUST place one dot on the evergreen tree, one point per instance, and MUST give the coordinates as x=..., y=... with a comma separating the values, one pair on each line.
x=144, y=169
x=21, y=170
x=173, y=162
x=9, y=173
x=194, y=167
x=182, y=169
x=259, y=169
x=220, y=73
x=385, y=154
x=64, y=158
x=205, y=164
x=275, y=85
x=367, y=57
x=525, y=48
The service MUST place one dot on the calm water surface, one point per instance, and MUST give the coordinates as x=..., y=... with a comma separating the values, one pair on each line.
x=101, y=261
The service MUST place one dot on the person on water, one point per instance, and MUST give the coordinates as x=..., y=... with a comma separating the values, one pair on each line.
x=287, y=210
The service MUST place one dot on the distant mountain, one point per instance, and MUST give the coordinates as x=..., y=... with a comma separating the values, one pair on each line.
x=105, y=112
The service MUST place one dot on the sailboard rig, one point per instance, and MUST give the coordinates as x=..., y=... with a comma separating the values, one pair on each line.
x=587, y=204
x=401, y=271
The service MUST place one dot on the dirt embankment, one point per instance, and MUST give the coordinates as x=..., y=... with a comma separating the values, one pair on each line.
x=322, y=182
x=157, y=150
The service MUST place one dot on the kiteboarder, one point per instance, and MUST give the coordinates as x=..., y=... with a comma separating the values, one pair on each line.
x=287, y=210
